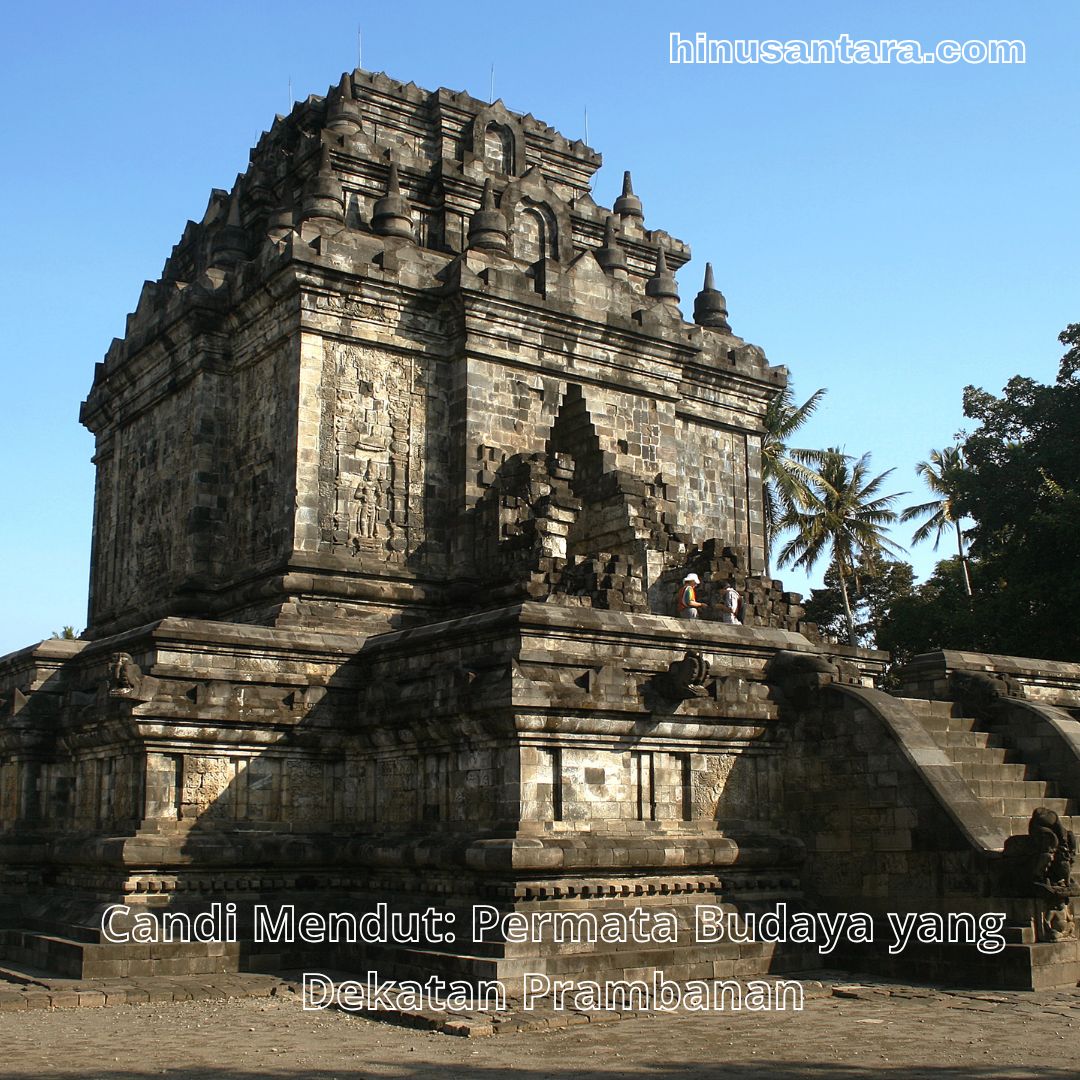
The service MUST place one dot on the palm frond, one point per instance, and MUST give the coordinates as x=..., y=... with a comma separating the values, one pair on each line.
x=941, y=474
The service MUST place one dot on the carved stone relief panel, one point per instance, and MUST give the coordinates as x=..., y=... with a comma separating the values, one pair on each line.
x=372, y=455
x=206, y=781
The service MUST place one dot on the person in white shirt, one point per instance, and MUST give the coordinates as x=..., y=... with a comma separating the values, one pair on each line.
x=729, y=604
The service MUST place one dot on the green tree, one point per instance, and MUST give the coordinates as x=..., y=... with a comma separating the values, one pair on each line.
x=943, y=475
x=787, y=472
x=66, y=634
x=847, y=517
x=938, y=614
x=1022, y=490
x=876, y=586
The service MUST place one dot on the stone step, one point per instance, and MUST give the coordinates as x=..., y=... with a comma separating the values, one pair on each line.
x=984, y=755
x=949, y=739
x=938, y=724
x=22, y=974
x=1018, y=826
x=1010, y=789
x=1024, y=808
x=1019, y=935
x=934, y=715
x=995, y=770
x=930, y=706
x=961, y=723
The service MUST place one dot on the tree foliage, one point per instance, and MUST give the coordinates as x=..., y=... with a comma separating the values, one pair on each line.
x=1022, y=489
x=877, y=586
x=787, y=472
x=943, y=474
x=937, y=614
x=846, y=518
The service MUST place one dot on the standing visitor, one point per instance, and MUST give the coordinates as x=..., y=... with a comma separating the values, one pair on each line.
x=729, y=604
x=688, y=603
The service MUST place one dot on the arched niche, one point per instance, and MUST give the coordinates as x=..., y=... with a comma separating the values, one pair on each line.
x=534, y=232
x=498, y=148
x=498, y=140
x=537, y=219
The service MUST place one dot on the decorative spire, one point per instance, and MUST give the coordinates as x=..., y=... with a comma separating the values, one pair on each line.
x=611, y=256
x=390, y=215
x=628, y=204
x=487, y=227
x=323, y=197
x=343, y=110
x=661, y=286
x=230, y=244
x=710, y=307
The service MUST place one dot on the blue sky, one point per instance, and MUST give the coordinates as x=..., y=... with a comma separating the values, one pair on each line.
x=889, y=232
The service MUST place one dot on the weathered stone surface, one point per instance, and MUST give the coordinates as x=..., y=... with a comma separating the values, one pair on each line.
x=332, y=430
x=399, y=466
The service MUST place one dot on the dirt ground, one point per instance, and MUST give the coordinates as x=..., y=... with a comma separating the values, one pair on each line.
x=898, y=1036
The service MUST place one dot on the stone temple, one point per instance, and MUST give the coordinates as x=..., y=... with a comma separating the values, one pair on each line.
x=399, y=464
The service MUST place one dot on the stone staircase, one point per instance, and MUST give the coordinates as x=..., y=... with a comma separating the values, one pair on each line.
x=1008, y=785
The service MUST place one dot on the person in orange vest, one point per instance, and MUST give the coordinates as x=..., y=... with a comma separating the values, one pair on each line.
x=688, y=603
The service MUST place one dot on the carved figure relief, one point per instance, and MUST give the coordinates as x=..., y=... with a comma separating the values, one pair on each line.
x=1041, y=866
x=376, y=458
x=684, y=678
x=369, y=503
x=125, y=676
x=712, y=784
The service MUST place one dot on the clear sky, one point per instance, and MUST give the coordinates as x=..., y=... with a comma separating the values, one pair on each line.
x=889, y=232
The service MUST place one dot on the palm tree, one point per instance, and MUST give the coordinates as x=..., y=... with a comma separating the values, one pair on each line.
x=786, y=472
x=941, y=474
x=846, y=518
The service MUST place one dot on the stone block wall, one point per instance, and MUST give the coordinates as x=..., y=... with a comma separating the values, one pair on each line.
x=310, y=405
x=876, y=835
x=196, y=466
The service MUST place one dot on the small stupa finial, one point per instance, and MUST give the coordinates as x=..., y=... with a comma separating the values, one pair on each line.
x=661, y=286
x=487, y=227
x=390, y=216
x=611, y=256
x=230, y=244
x=710, y=307
x=628, y=204
x=323, y=197
x=343, y=110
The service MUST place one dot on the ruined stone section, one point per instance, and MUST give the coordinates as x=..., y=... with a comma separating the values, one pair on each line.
x=764, y=601
x=405, y=294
